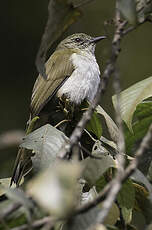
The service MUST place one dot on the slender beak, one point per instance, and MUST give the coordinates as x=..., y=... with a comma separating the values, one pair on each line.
x=97, y=39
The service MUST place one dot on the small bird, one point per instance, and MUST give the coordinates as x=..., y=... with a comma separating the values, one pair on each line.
x=73, y=76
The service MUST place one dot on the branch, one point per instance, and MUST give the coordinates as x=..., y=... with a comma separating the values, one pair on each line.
x=111, y=189
x=36, y=224
x=109, y=193
x=9, y=210
x=128, y=171
x=116, y=185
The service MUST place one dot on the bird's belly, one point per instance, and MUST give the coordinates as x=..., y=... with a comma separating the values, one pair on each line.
x=84, y=81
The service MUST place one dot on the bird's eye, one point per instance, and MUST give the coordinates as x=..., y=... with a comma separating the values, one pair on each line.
x=78, y=40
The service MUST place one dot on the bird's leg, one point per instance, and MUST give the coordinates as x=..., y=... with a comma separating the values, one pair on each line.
x=65, y=106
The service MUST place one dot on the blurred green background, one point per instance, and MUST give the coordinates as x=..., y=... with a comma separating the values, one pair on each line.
x=22, y=25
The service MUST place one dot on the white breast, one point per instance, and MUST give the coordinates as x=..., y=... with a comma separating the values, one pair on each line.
x=84, y=81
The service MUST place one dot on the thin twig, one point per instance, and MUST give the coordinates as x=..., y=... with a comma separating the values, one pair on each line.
x=132, y=28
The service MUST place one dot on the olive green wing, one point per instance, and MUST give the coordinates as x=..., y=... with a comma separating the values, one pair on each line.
x=58, y=68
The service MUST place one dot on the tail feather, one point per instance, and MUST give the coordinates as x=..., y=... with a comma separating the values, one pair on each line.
x=23, y=165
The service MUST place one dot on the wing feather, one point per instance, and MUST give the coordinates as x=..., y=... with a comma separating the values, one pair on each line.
x=58, y=68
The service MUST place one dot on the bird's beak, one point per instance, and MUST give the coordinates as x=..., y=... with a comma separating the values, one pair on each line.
x=97, y=39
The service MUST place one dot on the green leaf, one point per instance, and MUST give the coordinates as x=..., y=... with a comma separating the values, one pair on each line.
x=112, y=127
x=94, y=168
x=127, y=214
x=100, y=183
x=143, y=110
x=113, y=215
x=126, y=200
x=143, y=115
x=14, y=222
x=128, y=10
x=94, y=125
x=45, y=142
x=143, y=203
x=138, y=221
x=131, y=97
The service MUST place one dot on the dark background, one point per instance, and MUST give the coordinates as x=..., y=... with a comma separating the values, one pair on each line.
x=22, y=25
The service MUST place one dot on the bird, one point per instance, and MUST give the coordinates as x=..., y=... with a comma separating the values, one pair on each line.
x=73, y=77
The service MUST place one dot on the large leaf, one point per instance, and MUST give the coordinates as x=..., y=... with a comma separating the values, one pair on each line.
x=131, y=97
x=112, y=127
x=94, y=125
x=113, y=215
x=126, y=200
x=45, y=143
x=56, y=189
x=143, y=116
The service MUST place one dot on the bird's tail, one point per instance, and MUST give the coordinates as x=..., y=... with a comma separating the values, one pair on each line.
x=22, y=166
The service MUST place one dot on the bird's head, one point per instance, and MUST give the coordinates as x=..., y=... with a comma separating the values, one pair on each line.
x=80, y=41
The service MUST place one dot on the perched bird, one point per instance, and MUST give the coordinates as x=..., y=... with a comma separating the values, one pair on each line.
x=73, y=76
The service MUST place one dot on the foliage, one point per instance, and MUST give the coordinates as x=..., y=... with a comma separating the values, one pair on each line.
x=61, y=186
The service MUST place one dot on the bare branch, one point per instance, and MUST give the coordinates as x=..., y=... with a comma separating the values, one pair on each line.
x=9, y=210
